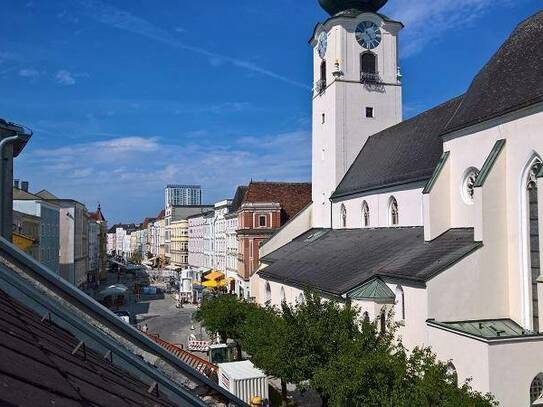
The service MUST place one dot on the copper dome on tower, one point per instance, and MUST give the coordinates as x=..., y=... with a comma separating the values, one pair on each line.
x=337, y=6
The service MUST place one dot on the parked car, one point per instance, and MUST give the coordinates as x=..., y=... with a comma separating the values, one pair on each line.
x=123, y=315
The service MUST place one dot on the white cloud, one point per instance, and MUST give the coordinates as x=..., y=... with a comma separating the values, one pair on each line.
x=427, y=20
x=127, y=174
x=29, y=73
x=64, y=77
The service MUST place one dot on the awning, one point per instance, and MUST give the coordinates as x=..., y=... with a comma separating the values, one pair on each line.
x=21, y=241
x=214, y=275
x=211, y=283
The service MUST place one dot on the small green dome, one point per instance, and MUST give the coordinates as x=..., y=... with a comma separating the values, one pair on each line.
x=337, y=6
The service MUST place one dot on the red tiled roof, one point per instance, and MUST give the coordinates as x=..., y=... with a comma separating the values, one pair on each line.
x=292, y=196
x=97, y=216
x=41, y=364
x=161, y=215
x=197, y=363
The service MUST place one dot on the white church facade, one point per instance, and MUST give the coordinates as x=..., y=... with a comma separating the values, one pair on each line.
x=436, y=217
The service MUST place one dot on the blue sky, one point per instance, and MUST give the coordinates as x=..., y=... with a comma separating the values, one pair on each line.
x=124, y=96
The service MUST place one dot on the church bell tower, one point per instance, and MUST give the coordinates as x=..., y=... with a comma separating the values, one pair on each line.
x=357, y=90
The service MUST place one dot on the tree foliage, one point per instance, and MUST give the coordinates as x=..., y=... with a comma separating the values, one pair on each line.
x=326, y=346
x=224, y=314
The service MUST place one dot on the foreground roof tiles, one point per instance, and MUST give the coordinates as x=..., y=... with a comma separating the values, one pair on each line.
x=338, y=261
x=39, y=366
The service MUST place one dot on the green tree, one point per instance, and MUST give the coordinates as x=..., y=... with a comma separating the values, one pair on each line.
x=224, y=314
x=319, y=330
x=272, y=346
x=373, y=369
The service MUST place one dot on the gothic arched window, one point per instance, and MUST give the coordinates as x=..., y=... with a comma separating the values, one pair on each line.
x=268, y=292
x=368, y=63
x=394, y=216
x=301, y=298
x=365, y=214
x=343, y=213
x=283, y=295
x=451, y=370
x=536, y=390
x=531, y=243
x=399, y=305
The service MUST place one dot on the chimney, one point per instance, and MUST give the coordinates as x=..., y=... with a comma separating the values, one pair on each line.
x=24, y=186
x=16, y=183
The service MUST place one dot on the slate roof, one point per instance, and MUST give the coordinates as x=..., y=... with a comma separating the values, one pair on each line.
x=38, y=367
x=45, y=194
x=20, y=195
x=292, y=196
x=404, y=153
x=511, y=80
x=337, y=261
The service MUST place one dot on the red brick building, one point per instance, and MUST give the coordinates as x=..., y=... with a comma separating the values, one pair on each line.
x=266, y=207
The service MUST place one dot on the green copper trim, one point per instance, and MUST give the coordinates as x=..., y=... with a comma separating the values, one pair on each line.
x=437, y=171
x=375, y=290
x=489, y=163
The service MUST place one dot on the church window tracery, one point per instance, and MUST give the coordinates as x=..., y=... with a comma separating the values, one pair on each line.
x=365, y=214
x=394, y=216
x=468, y=185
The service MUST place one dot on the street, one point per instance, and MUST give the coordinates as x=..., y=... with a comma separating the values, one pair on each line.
x=165, y=320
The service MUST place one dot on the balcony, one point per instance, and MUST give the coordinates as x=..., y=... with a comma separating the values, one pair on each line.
x=320, y=86
x=370, y=78
x=372, y=81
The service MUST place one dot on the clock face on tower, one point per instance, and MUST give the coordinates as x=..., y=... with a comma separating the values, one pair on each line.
x=368, y=34
x=323, y=44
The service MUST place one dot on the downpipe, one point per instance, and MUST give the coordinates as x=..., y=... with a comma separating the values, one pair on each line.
x=3, y=144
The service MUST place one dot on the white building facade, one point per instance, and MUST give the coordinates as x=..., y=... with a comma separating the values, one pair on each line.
x=436, y=218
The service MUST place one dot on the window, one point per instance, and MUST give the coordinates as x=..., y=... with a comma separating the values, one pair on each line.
x=536, y=390
x=283, y=295
x=323, y=120
x=301, y=298
x=394, y=218
x=323, y=73
x=453, y=374
x=366, y=316
x=468, y=185
x=383, y=321
x=268, y=292
x=262, y=221
x=368, y=63
x=399, y=305
x=343, y=212
x=531, y=243
x=365, y=214
x=369, y=112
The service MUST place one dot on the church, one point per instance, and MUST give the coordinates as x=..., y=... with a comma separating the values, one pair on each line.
x=435, y=218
